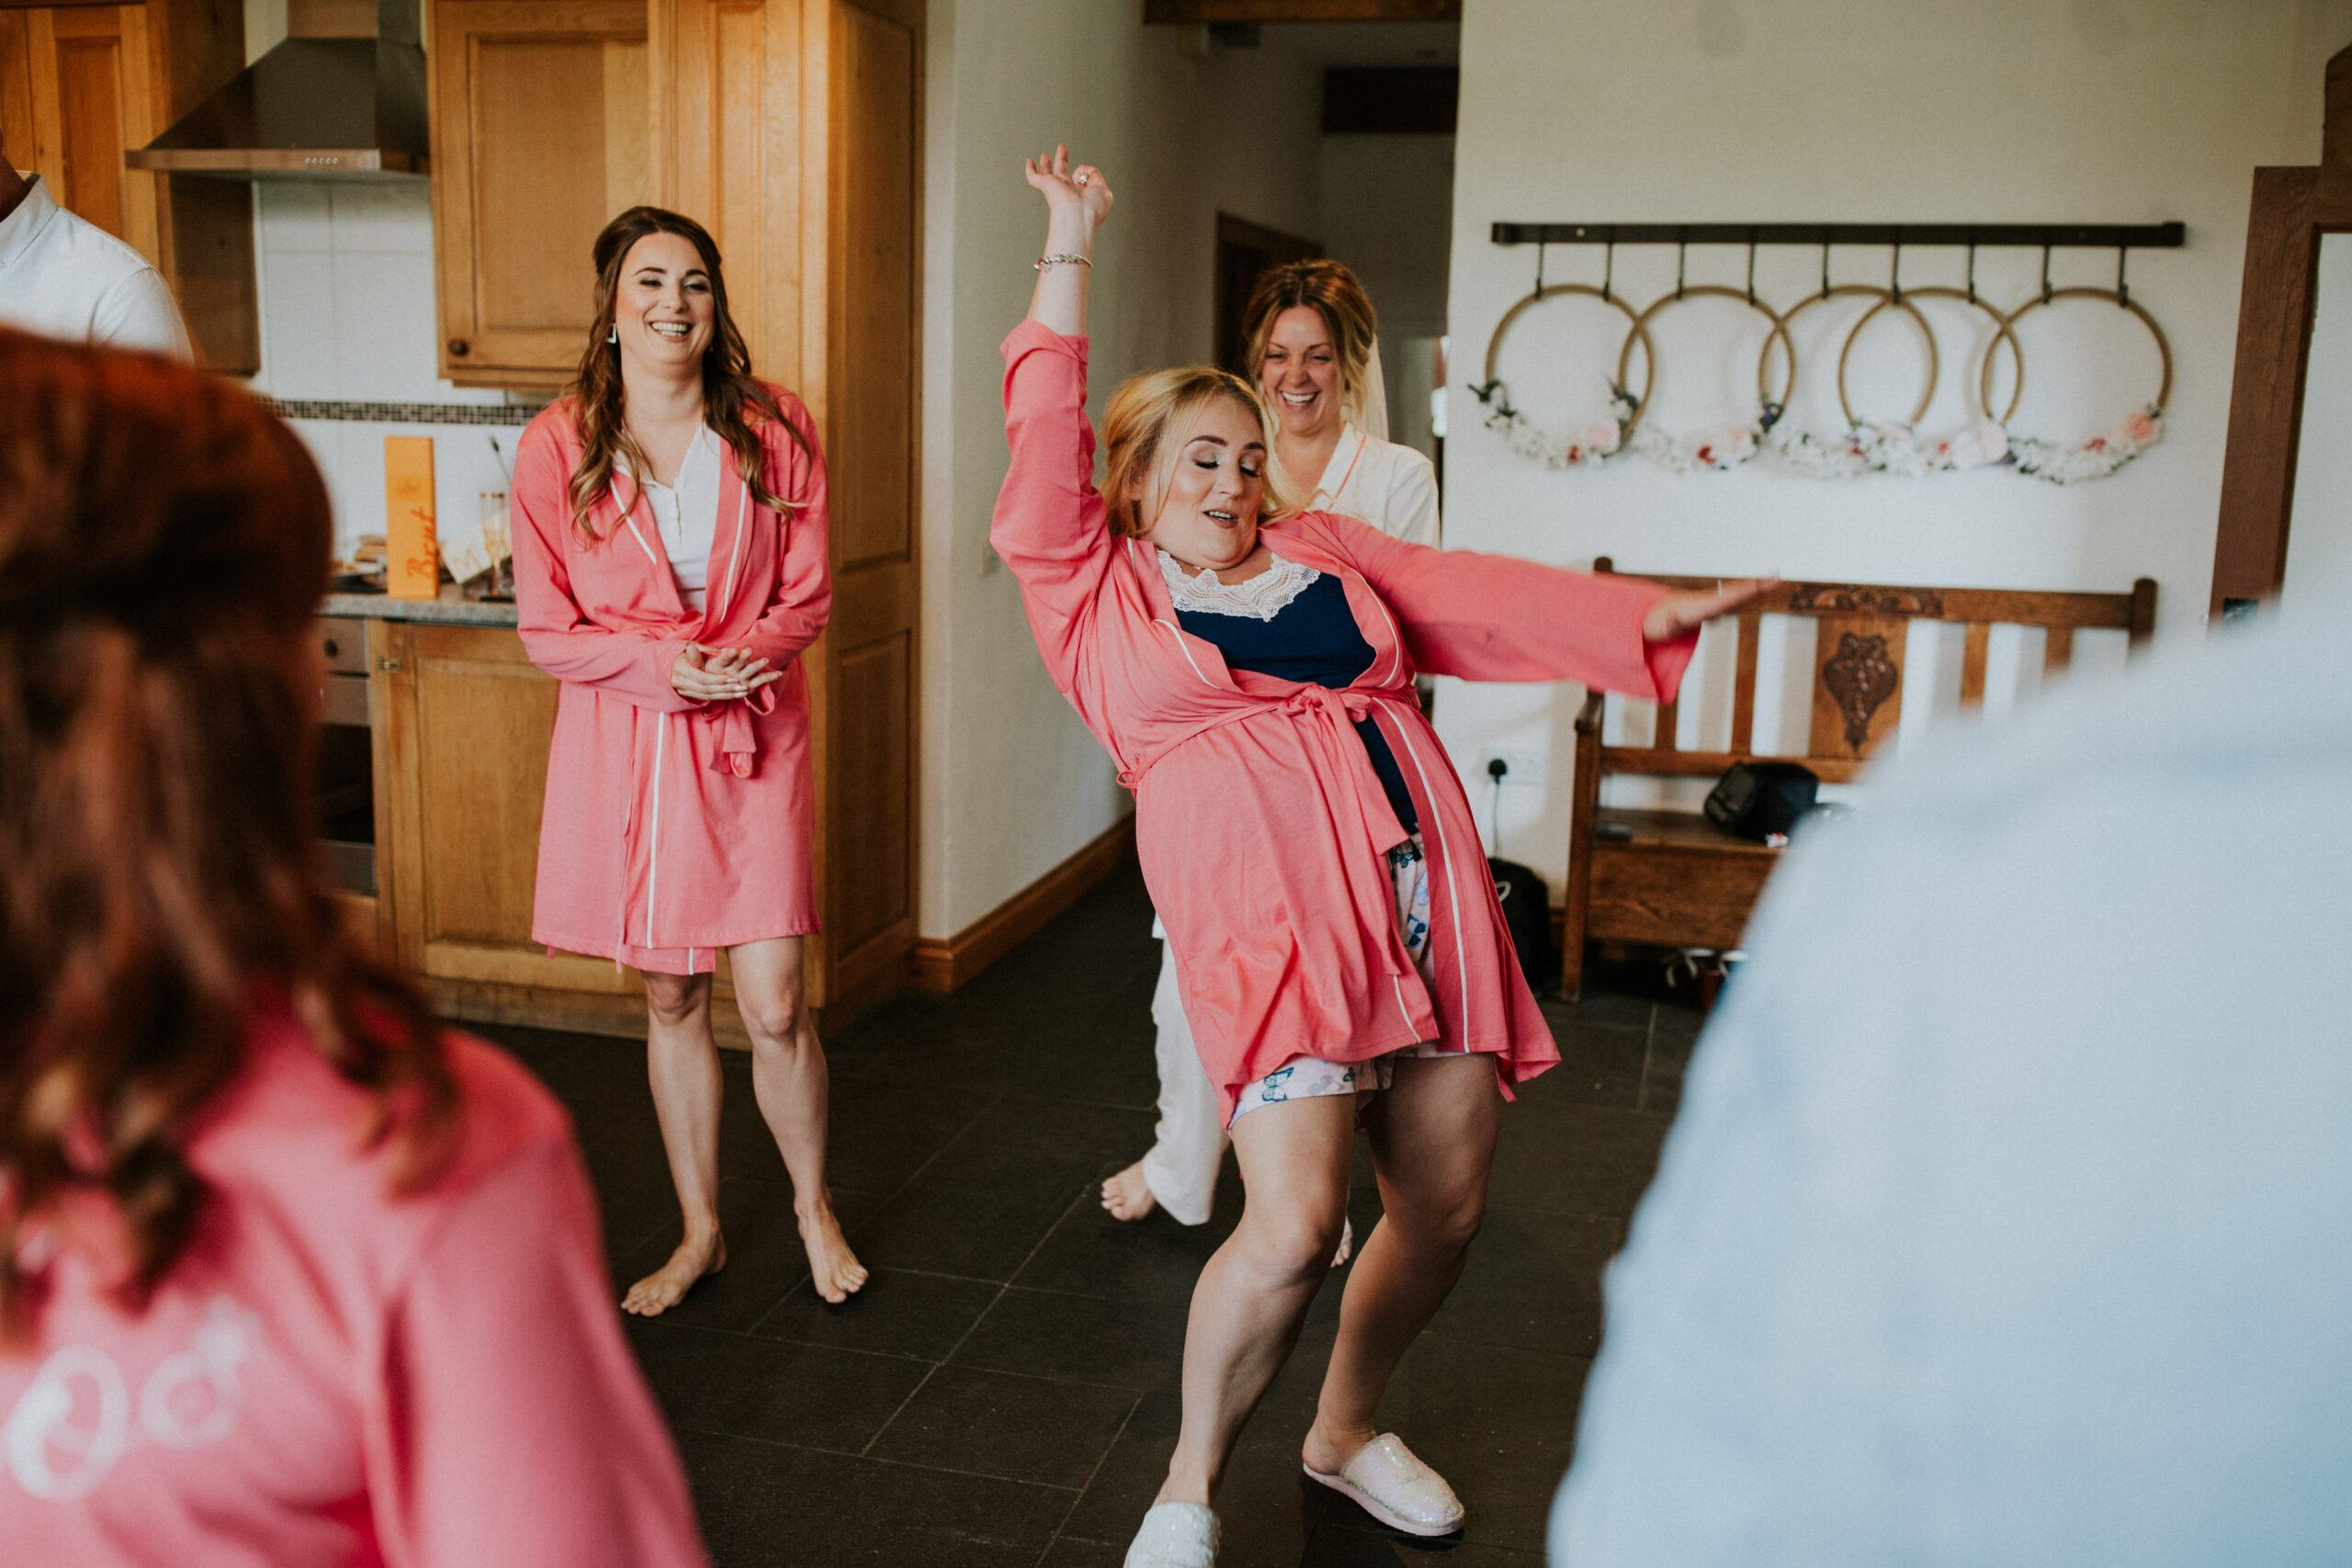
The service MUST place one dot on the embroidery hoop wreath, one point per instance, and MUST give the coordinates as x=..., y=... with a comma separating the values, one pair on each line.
x=1590, y=443
x=1862, y=449
x=1718, y=449
x=2065, y=463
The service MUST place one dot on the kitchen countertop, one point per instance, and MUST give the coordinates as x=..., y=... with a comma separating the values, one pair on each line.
x=450, y=607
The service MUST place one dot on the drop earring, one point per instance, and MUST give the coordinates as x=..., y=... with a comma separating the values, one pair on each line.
x=612, y=335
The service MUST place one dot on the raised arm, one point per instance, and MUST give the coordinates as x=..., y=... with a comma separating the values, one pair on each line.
x=1049, y=525
x=1076, y=201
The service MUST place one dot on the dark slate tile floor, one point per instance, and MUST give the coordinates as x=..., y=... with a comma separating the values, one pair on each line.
x=1003, y=1394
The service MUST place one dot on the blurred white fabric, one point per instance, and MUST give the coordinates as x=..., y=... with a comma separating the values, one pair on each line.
x=2009, y=1215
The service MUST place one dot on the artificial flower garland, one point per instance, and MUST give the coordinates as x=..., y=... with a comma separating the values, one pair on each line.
x=1892, y=447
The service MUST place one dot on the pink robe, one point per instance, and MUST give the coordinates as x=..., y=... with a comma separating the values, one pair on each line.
x=672, y=828
x=333, y=1377
x=1258, y=820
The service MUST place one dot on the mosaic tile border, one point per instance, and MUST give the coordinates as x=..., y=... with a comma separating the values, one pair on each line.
x=403, y=413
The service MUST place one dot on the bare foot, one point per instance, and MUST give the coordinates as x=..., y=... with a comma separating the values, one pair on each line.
x=1347, y=1243
x=668, y=1285
x=833, y=1269
x=1327, y=1451
x=1128, y=1195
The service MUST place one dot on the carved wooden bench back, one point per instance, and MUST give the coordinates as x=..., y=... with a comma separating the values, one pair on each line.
x=1666, y=876
x=1857, y=683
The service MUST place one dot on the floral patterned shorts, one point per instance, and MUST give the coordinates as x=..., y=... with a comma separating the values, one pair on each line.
x=1303, y=1078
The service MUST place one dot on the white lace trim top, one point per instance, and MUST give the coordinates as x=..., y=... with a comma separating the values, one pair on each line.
x=1262, y=598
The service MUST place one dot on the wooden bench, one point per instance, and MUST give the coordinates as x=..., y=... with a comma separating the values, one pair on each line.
x=1671, y=878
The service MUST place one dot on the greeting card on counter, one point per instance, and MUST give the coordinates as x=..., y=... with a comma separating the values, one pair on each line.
x=413, y=555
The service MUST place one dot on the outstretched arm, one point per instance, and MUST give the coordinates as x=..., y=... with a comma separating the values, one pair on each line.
x=1487, y=617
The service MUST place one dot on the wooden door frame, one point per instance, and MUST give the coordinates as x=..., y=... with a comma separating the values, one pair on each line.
x=2277, y=305
x=1228, y=309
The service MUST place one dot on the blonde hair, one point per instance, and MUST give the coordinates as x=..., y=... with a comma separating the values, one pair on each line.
x=1333, y=293
x=1144, y=433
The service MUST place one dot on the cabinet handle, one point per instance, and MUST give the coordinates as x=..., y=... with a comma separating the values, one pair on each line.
x=458, y=347
x=390, y=665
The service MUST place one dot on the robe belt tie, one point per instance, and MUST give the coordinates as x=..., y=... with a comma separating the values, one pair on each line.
x=739, y=747
x=1366, y=823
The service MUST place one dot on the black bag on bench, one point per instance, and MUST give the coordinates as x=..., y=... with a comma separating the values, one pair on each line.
x=1757, y=800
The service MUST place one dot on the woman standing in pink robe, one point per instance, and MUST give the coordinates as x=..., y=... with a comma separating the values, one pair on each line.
x=670, y=568
x=1315, y=976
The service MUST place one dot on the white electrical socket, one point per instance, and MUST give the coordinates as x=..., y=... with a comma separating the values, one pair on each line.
x=1526, y=767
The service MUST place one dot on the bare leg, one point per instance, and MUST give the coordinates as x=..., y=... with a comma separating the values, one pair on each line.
x=682, y=1060
x=1432, y=1143
x=789, y=1076
x=1254, y=1293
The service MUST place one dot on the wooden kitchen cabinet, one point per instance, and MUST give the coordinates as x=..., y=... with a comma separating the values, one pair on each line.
x=540, y=134
x=462, y=725
x=462, y=721
x=81, y=85
x=74, y=92
x=790, y=127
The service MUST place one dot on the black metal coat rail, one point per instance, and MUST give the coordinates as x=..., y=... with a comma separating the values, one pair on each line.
x=2095, y=236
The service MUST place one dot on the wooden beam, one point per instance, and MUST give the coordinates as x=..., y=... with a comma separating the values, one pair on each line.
x=2335, y=134
x=2266, y=389
x=1195, y=12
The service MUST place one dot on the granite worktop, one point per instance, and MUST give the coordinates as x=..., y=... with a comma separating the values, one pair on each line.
x=451, y=607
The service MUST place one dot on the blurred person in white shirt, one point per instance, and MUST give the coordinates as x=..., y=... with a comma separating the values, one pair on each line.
x=2005, y=1219
x=63, y=276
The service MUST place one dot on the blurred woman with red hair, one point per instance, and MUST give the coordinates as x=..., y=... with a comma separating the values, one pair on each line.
x=288, y=1274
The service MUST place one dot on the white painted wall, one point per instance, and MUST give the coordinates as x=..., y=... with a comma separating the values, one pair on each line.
x=1012, y=783
x=1732, y=111
x=1387, y=202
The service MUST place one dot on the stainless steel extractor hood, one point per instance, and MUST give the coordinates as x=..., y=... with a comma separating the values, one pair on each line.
x=341, y=98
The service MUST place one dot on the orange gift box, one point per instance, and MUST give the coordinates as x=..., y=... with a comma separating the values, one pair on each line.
x=411, y=551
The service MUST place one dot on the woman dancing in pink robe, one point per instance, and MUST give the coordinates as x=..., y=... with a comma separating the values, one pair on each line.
x=1327, y=954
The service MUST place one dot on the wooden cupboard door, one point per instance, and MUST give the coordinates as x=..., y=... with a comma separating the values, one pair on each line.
x=465, y=722
x=728, y=103
x=540, y=136
x=74, y=92
x=869, y=669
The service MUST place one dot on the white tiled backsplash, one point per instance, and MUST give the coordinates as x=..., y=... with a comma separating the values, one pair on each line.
x=347, y=315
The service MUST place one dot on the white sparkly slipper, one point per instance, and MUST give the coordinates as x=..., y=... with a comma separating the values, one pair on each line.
x=1177, y=1535
x=1347, y=1243
x=1385, y=1481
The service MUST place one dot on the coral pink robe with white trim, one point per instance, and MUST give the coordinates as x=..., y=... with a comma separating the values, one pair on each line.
x=331, y=1375
x=672, y=828
x=1258, y=820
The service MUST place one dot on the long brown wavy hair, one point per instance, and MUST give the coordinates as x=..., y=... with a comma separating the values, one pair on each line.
x=732, y=398
x=163, y=544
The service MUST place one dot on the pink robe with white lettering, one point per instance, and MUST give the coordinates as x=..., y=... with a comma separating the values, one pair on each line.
x=1259, y=821
x=672, y=828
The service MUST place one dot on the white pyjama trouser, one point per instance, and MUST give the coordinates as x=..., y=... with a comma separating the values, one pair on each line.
x=1189, y=1145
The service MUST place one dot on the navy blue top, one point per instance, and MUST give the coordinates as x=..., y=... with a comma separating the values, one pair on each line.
x=1314, y=640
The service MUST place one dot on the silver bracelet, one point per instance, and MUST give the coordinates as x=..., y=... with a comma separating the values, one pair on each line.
x=1061, y=258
